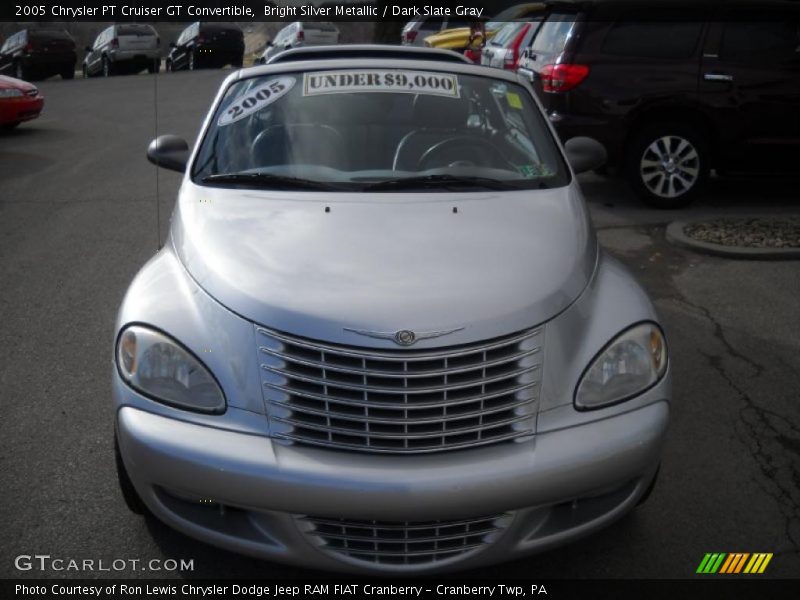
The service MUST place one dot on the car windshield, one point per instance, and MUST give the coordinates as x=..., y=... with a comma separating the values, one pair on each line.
x=319, y=26
x=145, y=30
x=378, y=130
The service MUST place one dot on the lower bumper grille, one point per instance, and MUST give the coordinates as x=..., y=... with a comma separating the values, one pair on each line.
x=404, y=543
x=400, y=401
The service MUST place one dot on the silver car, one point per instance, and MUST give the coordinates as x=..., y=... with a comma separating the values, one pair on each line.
x=382, y=336
x=300, y=35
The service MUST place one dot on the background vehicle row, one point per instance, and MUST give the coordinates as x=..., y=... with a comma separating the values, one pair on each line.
x=120, y=49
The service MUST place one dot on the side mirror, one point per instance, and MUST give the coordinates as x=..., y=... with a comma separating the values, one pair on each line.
x=270, y=44
x=585, y=154
x=89, y=49
x=172, y=45
x=170, y=152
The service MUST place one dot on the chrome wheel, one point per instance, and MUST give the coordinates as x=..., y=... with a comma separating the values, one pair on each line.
x=670, y=166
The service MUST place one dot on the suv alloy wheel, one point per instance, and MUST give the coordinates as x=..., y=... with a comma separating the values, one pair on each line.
x=667, y=163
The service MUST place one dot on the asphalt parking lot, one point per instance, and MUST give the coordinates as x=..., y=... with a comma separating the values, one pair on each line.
x=78, y=217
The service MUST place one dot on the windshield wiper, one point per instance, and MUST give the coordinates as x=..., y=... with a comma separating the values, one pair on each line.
x=270, y=181
x=447, y=181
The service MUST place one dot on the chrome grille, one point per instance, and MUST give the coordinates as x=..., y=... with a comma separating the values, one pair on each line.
x=400, y=401
x=404, y=543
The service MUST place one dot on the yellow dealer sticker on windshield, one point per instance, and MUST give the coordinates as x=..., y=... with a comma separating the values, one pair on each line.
x=408, y=82
x=514, y=101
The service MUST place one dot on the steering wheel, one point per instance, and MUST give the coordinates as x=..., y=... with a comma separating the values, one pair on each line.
x=465, y=146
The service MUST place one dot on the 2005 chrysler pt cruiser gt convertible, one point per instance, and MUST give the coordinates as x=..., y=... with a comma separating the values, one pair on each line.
x=381, y=335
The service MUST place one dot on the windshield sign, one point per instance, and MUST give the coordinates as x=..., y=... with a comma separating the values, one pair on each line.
x=400, y=82
x=378, y=130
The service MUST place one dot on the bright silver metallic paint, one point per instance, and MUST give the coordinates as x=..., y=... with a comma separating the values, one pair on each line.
x=505, y=262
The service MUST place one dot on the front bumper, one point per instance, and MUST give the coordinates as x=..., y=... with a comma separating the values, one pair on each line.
x=16, y=110
x=245, y=493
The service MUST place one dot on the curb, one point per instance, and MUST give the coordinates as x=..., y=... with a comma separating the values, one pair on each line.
x=676, y=236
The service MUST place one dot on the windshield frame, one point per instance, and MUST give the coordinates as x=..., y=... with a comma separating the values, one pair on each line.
x=543, y=125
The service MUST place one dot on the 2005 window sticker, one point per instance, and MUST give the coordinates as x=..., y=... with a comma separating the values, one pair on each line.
x=256, y=99
x=397, y=81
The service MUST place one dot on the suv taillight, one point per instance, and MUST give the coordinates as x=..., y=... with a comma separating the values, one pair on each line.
x=409, y=36
x=29, y=47
x=115, y=43
x=562, y=77
x=301, y=35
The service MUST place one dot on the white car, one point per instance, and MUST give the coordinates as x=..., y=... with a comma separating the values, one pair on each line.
x=382, y=335
x=301, y=34
x=123, y=48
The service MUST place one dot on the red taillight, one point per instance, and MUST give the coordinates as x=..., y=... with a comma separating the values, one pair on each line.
x=200, y=39
x=563, y=77
x=410, y=36
x=29, y=47
x=115, y=43
x=301, y=35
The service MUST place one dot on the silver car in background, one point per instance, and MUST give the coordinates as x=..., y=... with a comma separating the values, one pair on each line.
x=301, y=35
x=123, y=48
x=382, y=336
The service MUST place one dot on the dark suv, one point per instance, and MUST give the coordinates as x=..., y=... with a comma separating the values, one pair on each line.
x=38, y=53
x=203, y=45
x=672, y=92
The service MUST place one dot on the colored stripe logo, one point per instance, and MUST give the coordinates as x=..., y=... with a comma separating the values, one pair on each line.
x=734, y=563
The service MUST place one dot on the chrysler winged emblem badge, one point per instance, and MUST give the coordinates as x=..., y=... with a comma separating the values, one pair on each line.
x=404, y=337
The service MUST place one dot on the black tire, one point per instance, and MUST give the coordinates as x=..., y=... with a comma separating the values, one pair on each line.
x=650, y=488
x=168, y=66
x=190, y=62
x=68, y=73
x=9, y=126
x=132, y=499
x=106, y=67
x=154, y=66
x=667, y=163
x=85, y=72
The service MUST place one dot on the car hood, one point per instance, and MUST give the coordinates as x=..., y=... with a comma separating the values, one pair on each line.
x=315, y=265
x=9, y=82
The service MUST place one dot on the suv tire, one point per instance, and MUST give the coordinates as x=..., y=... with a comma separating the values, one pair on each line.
x=667, y=164
x=106, y=67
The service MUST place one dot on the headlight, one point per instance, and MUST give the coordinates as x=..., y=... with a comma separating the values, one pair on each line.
x=159, y=367
x=10, y=93
x=634, y=361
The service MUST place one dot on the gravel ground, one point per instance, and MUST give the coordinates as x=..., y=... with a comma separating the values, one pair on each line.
x=783, y=232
